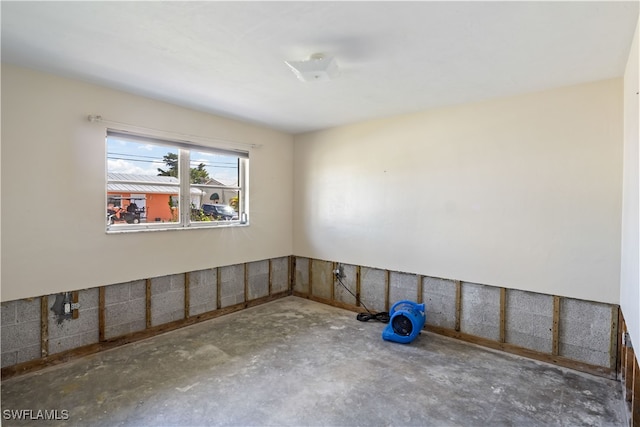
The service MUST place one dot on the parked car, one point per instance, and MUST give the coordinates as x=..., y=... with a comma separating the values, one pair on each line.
x=224, y=212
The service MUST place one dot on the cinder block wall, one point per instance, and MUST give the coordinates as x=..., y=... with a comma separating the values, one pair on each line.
x=33, y=335
x=124, y=308
x=20, y=331
x=72, y=333
x=574, y=333
x=569, y=332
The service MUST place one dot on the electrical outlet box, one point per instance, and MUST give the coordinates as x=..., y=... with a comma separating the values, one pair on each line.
x=626, y=340
x=339, y=272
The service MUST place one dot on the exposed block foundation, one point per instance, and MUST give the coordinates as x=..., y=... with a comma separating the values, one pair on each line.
x=20, y=330
x=301, y=282
x=439, y=297
x=350, y=281
x=167, y=299
x=321, y=279
x=402, y=286
x=66, y=334
x=373, y=288
x=280, y=275
x=124, y=308
x=529, y=320
x=232, y=281
x=569, y=332
x=203, y=291
x=258, y=279
x=480, y=311
x=123, y=312
x=573, y=333
x=585, y=332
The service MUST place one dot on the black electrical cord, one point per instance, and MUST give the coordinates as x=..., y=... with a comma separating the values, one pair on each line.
x=365, y=317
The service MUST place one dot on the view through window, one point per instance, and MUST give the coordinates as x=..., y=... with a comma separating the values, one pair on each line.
x=155, y=183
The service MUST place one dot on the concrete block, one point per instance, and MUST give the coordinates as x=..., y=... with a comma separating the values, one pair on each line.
x=167, y=299
x=86, y=322
x=402, y=286
x=20, y=335
x=9, y=358
x=8, y=313
x=203, y=291
x=129, y=316
x=372, y=288
x=64, y=343
x=257, y=279
x=480, y=311
x=124, y=292
x=114, y=294
x=124, y=329
x=163, y=284
x=585, y=331
x=350, y=280
x=19, y=311
x=138, y=289
x=125, y=308
x=89, y=299
x=439, y=297
x=301, y=283
x=67, y=334
x=20, y=331
x=279, y=275
x=232, y=285
x=29, y=353
x=321, y=278
x=529, y=320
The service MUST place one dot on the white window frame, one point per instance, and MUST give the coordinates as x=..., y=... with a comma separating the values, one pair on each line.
x=184, y=195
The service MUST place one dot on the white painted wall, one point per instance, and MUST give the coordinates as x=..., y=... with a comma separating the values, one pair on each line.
x=523, y=192
x=630, y=277
x=53, y=158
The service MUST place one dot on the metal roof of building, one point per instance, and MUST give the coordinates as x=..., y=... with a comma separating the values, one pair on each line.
x=147, y=184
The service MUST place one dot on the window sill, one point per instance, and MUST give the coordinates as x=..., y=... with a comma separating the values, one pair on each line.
x=143, y=228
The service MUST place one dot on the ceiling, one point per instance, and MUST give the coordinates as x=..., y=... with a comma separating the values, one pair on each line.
x=227, y=58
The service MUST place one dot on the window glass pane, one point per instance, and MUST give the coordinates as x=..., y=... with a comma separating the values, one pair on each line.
x=143, y=182
x=215, y=184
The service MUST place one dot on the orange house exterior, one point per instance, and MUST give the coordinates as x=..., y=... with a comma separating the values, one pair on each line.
x=151, y=194
x=156, y=206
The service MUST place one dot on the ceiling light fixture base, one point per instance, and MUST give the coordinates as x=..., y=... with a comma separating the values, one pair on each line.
x=317, y=68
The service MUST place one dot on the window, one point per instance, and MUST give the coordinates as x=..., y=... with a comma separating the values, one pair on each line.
x=155, y=183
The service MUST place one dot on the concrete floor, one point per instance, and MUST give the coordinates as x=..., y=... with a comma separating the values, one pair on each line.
x=296, y=362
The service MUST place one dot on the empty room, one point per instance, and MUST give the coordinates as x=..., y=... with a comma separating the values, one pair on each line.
x=320, y=213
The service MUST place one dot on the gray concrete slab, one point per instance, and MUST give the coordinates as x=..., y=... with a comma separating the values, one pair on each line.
x=295, y=362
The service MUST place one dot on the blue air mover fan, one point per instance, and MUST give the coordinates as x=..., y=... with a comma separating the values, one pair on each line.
x=406, y=320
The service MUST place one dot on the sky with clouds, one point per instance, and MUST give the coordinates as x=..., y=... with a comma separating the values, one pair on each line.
x=145, y=159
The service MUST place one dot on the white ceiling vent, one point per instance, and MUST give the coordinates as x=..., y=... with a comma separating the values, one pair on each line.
x=315, y=69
